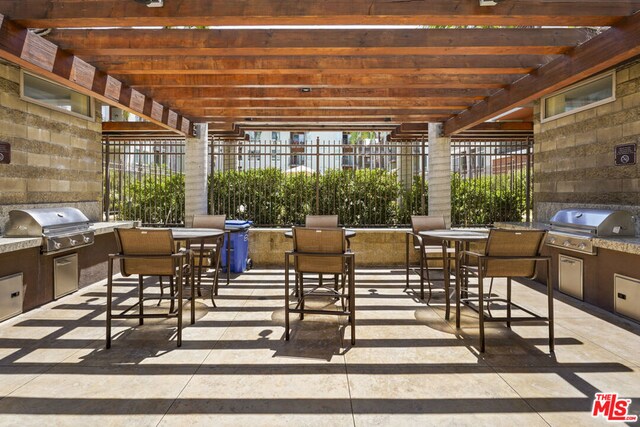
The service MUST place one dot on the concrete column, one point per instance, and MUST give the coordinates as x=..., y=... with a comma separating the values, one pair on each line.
x=196, y=161
x=439, y=173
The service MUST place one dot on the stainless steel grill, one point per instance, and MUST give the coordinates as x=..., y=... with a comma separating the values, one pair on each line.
x=60, y=228
x=574, y=229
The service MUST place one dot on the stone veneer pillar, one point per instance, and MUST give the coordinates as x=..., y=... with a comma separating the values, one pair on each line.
x=196, y=173
x=439, y=173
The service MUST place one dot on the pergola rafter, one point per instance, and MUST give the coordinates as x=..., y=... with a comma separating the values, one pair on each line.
x=239, y=77
x=121, y=13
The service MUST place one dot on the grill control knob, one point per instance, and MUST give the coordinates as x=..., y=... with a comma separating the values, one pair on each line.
x=566, y=243
x=86, y=239
x=57, y=245
x=552, y=240
x=582, y=246
x=73, y=242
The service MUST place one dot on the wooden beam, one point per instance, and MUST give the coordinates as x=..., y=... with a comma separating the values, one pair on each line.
x=322, y=80
x=322, y=103
x=606, y=50
x=336, y=93
x=296, y=121
x=359, y=65
x=486, y=41
x=349, y=112
x=135, y=128
x=33, y=53
x=109, y=13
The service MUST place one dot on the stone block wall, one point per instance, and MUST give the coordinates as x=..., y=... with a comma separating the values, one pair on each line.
x=56, y=158
x=574, y=155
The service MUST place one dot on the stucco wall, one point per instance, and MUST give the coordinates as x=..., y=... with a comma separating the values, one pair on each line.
x=55, y=157
x=574, y=155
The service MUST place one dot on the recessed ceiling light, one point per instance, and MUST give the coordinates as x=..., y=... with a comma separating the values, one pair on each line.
x=305, y=89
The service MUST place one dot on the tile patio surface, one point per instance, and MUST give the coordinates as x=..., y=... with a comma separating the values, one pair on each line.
x=409, y=366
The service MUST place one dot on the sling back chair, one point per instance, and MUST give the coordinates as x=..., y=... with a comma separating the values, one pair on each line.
x=321, y=221
x=428, y=249
x=149, y=252
x=508, y=254
x=212, y=248
x=320, y=251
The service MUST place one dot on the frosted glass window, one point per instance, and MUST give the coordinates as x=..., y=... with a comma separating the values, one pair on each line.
x=580, y=97
x=56, y=96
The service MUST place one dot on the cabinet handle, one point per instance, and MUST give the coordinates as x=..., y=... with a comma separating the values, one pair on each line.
x=17, y=294
x=62, y=263
x=622, y=296
x=568, y=261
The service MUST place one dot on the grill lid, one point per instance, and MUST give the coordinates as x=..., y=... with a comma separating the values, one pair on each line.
x=37, y=222
x=598, y=222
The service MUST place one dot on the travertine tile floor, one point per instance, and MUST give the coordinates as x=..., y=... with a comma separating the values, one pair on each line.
x=409, y=367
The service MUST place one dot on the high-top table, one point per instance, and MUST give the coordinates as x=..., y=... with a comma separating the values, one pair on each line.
x=461, y=238
x=196, y=235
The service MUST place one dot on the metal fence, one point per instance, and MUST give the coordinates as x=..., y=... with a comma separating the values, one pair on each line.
x=371, y=182
x=144, y=180
x=491, y=181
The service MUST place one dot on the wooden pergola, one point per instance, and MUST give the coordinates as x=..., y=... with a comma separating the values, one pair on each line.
x=234, y=77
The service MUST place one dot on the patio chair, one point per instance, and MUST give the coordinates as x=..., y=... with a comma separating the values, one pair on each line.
x=212, y=248
x=428, y=249
x=149, y=253
x=321, y=251
x=508, y=254
x=321, y=221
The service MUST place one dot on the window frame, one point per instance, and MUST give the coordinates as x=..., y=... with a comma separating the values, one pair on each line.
x=612, y=98
x=92, y=102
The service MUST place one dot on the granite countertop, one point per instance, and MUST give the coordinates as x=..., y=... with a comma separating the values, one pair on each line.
x=629, y=245
x=12, y=244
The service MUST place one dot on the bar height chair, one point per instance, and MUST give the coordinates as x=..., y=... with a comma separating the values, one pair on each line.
x=320, y=251
x=321, y=221
x=428, y=249
x=508, y=254
x=150, y=253
x=212, y=248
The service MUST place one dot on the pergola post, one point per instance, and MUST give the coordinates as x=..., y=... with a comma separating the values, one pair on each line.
x=196, y=173
x=439, y=172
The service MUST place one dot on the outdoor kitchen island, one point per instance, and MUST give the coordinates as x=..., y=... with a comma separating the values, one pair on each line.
x=609, y=278
x=24, y=256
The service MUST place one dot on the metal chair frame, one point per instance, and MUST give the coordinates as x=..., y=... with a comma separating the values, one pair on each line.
x=347, y=273
x=179, y=261
x=483, y=261
x=447, y=254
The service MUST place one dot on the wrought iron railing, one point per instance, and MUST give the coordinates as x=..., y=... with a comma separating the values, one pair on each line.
x=277, y=183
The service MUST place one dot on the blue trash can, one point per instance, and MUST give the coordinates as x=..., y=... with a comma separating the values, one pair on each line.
x=239, y=234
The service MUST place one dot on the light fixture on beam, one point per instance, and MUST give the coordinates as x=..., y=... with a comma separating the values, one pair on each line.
x=489, y=2
x=305, y=89
x=151, y=3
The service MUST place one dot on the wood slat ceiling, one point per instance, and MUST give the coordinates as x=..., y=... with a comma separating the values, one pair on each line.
x=321, y=77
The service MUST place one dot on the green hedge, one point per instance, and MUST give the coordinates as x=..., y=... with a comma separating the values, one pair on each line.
x=270, y=197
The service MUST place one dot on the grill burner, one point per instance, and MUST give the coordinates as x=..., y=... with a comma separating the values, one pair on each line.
x=60, y=228
x=574, y=229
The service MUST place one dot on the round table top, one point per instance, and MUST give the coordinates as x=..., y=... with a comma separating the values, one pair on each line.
x=460, y=234
x=347, y=233
x=195, y=233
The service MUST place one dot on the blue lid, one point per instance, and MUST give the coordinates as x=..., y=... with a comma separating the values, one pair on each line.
x=238, y=223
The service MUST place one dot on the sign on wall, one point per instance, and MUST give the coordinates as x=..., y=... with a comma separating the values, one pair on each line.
x=5, y=152
x=625, y=154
